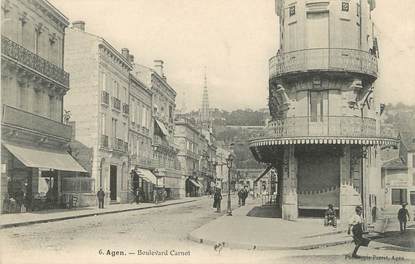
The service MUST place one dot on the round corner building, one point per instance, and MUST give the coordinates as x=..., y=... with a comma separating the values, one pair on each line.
x=325, y=135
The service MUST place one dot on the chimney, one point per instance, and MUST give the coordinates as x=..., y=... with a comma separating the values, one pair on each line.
x=131, y=59
x=125, y=53
x=79, y=25
x=158, y=66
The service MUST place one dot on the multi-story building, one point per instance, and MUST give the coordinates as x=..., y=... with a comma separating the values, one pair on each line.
x=324, y=137
x=35, y=140
x=98, y=102
x=398, y=179
x=164, y=149
x=141, y=127
x=187, y=137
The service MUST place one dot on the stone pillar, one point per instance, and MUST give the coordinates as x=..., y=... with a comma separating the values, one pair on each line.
x=349, y=197
x=289, y=194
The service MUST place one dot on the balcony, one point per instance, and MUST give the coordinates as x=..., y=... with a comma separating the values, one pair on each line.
x=335, y=60
x=119, y=145
x=29, y=59
x=125, y=109
x=18, y=118
x=105, y=98
x=324, y=130
x=116, y=103
x=104, y=141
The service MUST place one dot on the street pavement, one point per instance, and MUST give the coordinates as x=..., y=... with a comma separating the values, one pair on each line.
x=118, y=238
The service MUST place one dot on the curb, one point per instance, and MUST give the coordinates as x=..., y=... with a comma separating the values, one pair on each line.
x=11, y=225
x=268, y=247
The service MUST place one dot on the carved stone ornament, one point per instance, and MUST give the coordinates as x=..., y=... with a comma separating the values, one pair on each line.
x=279, y=102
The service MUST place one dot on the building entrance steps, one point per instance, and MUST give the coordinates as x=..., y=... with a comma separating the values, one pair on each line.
x=21, y=219
x=256, y=227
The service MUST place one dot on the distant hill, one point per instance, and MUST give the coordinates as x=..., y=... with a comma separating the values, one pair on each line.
x=402, y=118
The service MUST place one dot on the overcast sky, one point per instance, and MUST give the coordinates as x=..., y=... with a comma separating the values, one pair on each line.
x=234, y=39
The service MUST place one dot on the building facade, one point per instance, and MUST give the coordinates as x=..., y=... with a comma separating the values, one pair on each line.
x=187, y=137
x=34, y=155
x=99, y=106
x=325, y=135
x=164, y=148
x=140, y=141
x=398, y=180
x=221, y=168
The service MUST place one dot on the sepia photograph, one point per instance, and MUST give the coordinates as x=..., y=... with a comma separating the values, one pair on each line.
x=207, y=131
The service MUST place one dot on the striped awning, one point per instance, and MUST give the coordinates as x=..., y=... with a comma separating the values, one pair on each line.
x=323, y=140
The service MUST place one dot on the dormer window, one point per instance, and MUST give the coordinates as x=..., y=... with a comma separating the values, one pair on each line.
x=292, y=10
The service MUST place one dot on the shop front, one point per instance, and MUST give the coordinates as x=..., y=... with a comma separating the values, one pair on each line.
x=34, y=177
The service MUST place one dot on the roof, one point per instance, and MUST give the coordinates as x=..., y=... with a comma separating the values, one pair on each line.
x=395, y=164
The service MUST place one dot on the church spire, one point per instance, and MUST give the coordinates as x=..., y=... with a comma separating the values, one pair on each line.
x=204, y=111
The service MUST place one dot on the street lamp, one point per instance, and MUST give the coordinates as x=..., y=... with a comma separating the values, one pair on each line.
x=229, y=161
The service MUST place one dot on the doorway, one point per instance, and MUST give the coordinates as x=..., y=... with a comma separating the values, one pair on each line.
x=113, y=182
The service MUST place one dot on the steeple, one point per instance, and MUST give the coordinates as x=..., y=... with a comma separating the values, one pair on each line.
x=204, y=111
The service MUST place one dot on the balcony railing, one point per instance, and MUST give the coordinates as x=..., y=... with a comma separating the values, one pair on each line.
x=29, y=59
x=119, y=145
x=116, y=103
x=348, y=60
x=19, y=118
x=104, y=141
x=105, y=98
x=125, y=108
x=325, y=126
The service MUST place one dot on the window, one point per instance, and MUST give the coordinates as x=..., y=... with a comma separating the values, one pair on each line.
x=292, y=10
x=398, y=196
x=345, y=6
x=114, y=127
x=103, y=124
x=316, y=107
x=116, y=90
x=412, y=197
x=103, y=81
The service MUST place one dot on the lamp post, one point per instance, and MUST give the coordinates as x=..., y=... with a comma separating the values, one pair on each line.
x=229, y=161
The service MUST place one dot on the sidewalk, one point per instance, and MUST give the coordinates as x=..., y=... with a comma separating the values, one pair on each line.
x=14, y=220
x=247, y=232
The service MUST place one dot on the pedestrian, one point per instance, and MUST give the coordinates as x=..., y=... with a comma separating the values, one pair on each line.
x=374, y=213
x=100, y=195
x=217, y=198
x=240, y=196
x=330, y=216
x=244, y=195
x=356, y=226
x=403, y=217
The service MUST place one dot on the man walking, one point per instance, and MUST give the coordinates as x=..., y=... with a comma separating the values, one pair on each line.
x=403, y=217
x=244, y=195
x=101, y=195
x=217, y=198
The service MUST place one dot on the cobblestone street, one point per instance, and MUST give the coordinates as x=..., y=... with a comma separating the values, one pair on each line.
x=158, y=229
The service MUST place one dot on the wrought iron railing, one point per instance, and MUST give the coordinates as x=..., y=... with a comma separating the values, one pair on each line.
x=116, y=103
x=119, y=145
x=105, y=97
x=29, y=59
x=336, y=126
x=19, y=118
x=125, y=108
x=332, y=59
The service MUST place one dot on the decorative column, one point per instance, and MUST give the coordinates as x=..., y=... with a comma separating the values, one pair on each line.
x=349, y=197
x=289, y=194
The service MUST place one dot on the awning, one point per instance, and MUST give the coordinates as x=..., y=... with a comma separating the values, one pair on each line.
x=36, y=158
x=195, y=183
x=148, y=175
x=162, y=128
x=263, y=173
